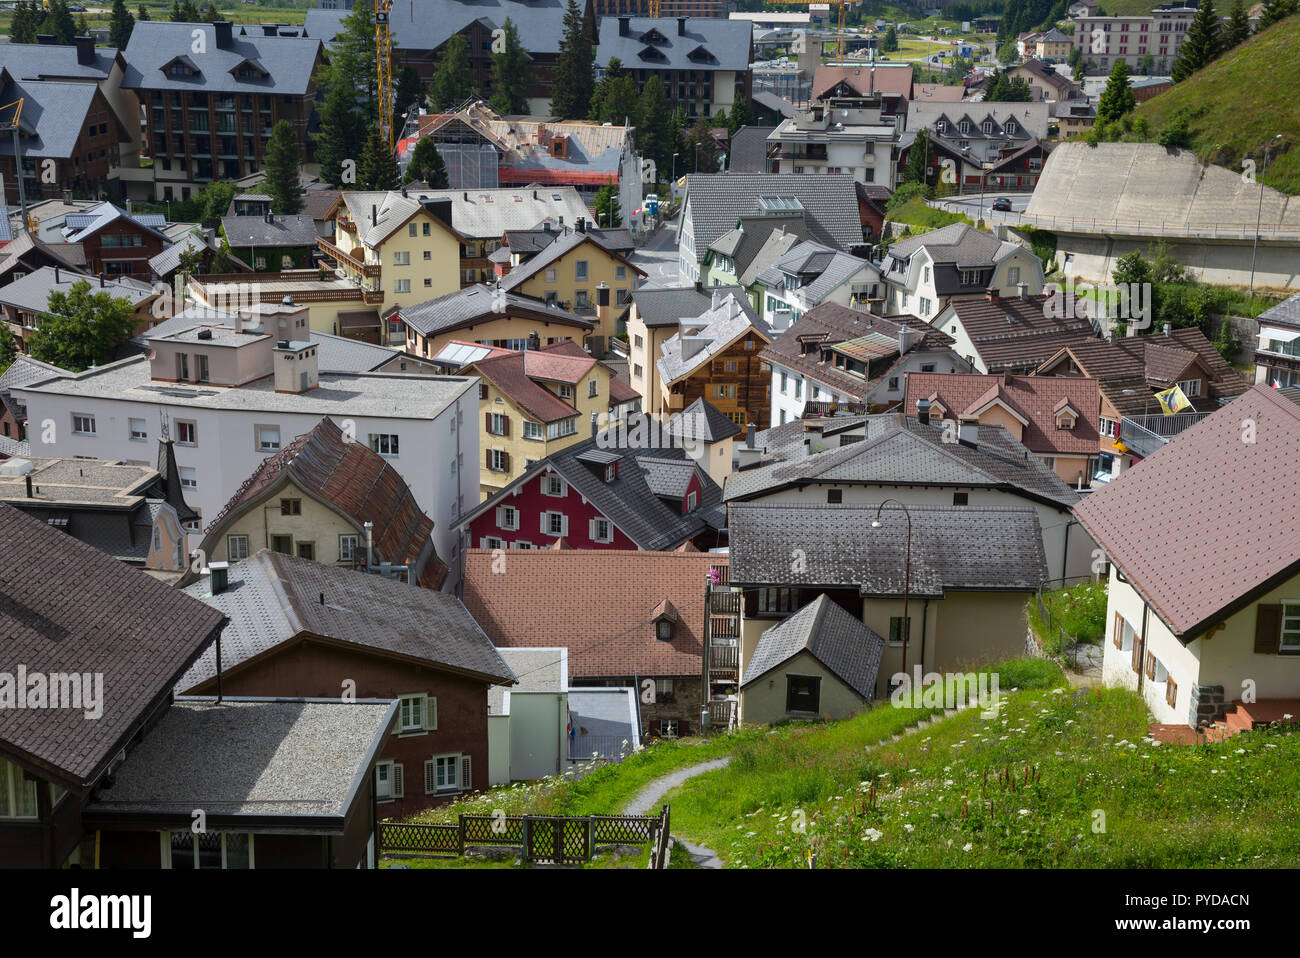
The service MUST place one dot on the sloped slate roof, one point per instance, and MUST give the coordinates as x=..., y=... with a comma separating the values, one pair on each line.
x=55, y=61
x=155, y=43
x=722, y=325
x=1018, y=333
x=428, y=24
x=749, y=149
x=476, y=303
x=978, y=548
x=67, y=607
x=827, y=631
x=1232, y=530
x=245, y=231
x=666, y=305
x=1285, y=313
x=100, y=216
x=831, y=267
x=53, y=112
x=901, y=451
x=829, y=202
x=727, y=40
x=556, y=250
x=360, y=483
x=25, y=370
x=274, y=598
x=701, y=421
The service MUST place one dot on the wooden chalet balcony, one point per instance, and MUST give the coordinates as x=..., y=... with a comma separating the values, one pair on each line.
x=724, y=658
x=372, y=297
x=369, y=270
x=725, y=603
x=722, y=715
x=724, y=626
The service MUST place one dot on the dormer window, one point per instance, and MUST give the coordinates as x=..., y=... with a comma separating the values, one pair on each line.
x=987, y=127
x=611, y=472
x=965, y=126
x=664, y=630
x=665, y=618
x=653, y=36
x=942, y=126
x=1010, y=127
x=651, y=53
x=181, y=66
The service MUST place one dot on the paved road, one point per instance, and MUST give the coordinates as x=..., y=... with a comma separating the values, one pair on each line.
x=659, y=257
x=970, y=205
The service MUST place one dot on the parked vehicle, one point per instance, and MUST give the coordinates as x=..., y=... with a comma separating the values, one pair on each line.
x=1002, y=204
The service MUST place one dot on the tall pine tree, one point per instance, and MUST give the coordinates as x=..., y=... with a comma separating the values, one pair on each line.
x=120, y=25
x=342, y=131
x=378, y=169
x=1117, y=99
x=573, y=81
x=59, y=22
x=141, y=13
x=408, y=94
x=427, y=165
x=451, y=84
x=1275, y=10
x=1202, y=43
x=1238, y=27
x=511, y=73
x=282, y=163
x=654, y=136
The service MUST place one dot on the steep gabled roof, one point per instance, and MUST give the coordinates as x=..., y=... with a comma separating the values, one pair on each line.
x=557, y=250
x=156, y=43
x=356, y=482
x=825, y=630
x=273, y=599
x=720, y=326
x=478, y=303
x=727, y=42
x=1202, y=554
x=701, y=421
x=66, y=607
x=608, y=621
x=1017, y=332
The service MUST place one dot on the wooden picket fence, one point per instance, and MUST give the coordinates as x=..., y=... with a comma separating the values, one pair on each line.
x=542, y=839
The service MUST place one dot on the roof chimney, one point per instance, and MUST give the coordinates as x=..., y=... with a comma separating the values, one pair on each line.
x=923, y=411
x=223, y=30
x=85, y=49
x=968, y=432
x=992, y=294
x=582, y=224
x=534, y=340
x=1166, y=329
x=29, y=485
x=46, y=39
x=56, y=276
x=220, y=573
x=681, y=26
x=751, y=431
x=374, y=215
x=907, y=338
x=1021, y=287
x=624, y=26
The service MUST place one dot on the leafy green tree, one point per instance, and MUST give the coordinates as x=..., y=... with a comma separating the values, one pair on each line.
x=211, y=14
x=1007, y=53
x=223, y=261
x=215, y=199
x=1226, y=343
x=742, y=114
x=83, y=26
x=80, y=328
x=378, y=168
x=919, y=156
x=141, y=13
x=1131, y=268
x=24, y=22
x=1238, y=27
x=616, y=99
x=8, y=347
x=177, y=15
x=573, y=81
x=1201, y=45
x=342, y=131
x=1117, y=99
x=452, y=84
x=352, y=61
x=120, y=25
x=427, y=165
x=282, y=168
x=608, y=213
x=890, y=42
x=1176, y=132
x=512, y=74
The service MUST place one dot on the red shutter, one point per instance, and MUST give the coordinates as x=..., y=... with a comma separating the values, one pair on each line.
x=1268, y=629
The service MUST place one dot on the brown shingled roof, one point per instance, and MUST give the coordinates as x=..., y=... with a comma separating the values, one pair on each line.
x=1210, y=521
x=609, y=607
x=1017, y=332
x=351, y=478
x=892, y=81
x=1037, y=398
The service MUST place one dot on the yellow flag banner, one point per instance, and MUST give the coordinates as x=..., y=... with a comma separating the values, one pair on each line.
x=1173, y=401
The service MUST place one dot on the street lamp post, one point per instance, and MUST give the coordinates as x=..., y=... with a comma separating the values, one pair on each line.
x=907, y=573
x=1259, y=213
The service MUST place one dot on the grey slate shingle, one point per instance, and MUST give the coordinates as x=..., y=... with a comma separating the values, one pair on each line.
x=842, y=643
x=155, y=43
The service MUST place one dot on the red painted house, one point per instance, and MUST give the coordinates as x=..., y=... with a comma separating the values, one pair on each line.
x=115, y=241
x=599, y=495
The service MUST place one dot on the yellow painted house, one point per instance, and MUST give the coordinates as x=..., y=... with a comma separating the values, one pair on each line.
x=535, y=402
x=571, y=272
x=400, y=250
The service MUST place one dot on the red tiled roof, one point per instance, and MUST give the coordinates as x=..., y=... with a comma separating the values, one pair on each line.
x=1017, y=332
x=354, y=480
x=556, y=366
x=507, y=374
x=892, y=81
x=1210, y=521
x=1036, y=398
x=610, y=600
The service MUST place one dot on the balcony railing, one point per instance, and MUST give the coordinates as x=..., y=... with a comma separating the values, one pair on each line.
x=1146, y=434
x=725, y=603
x=722, y=715
x=724, y=658
x=369, y=270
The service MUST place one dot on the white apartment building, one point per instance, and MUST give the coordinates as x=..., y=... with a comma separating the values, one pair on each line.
x=839, y=135
x=230, y=396
x=1103, y=40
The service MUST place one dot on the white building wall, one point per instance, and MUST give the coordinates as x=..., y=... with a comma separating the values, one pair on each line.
x=226, y=453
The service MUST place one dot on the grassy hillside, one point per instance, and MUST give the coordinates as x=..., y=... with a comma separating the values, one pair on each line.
x=1239, y=103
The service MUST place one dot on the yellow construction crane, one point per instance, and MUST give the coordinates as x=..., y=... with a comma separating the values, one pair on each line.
x=14, y=127
x=384, y=64
x=654, y=8
x=842, y=5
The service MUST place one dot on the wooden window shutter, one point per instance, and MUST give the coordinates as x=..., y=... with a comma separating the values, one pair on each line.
x=1171, y=692
x=564, y=525
x=505, y=458
x=505, y=426
x=431, y=713
x=1151, y=665
x=1119, y=631
x=544, y=527
x=466, y=778
x=399, y=783
x=487, y=423
x=430, y=777
x=487, y=458
x=654, y=726
x=1268, y=629
x=482, y=391
x=1137, y=652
